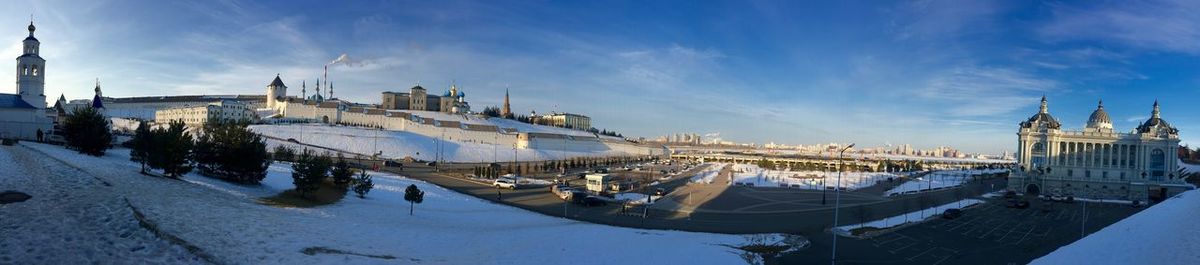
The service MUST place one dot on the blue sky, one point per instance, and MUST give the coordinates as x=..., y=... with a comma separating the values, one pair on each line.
x=958, y=73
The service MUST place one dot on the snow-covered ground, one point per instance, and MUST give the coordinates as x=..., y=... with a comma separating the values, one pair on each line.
x=708, y=173
x=912, y=217
x=400, y=144
x=71, y=218
x=752, y=174
x=635, y=198
x=226, y=220
x=1189, y=168
x=1166, y=233
x=939, y=180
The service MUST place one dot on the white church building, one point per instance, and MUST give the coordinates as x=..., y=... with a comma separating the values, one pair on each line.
x=23, y=115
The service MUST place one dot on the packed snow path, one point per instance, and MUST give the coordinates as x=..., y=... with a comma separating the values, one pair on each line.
x=72, y=218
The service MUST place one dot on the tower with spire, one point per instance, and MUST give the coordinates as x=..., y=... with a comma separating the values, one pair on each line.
x=31, y=71
x=98, y=99
x=505, y=111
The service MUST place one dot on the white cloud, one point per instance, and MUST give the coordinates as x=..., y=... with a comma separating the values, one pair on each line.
x=1170, y=25
x=985, y=91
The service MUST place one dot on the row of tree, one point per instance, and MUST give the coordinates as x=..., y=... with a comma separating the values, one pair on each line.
x=310, y=170
x=226, y=150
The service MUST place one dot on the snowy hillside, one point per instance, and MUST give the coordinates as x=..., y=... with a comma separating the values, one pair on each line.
x=1167, y=233
x=226, y=220
x=498, y=122
x=399, y=144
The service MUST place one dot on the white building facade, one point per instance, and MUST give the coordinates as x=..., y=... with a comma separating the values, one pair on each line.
x=226, y=110
x=1098, y=162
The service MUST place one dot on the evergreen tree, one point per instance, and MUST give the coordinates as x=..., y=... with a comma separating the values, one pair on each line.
x=143, y=141
x=413, y=195
x=284, y=153
x=309, y=171
x=363, y=184
x=233, y=152
x=86, y=130
x=342, y=173
x=172, y=150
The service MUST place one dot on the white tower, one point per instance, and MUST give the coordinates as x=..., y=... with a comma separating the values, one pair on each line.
x=31, y=72
x=276, y=91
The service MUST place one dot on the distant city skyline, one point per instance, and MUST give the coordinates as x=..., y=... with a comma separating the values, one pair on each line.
x=933, y=73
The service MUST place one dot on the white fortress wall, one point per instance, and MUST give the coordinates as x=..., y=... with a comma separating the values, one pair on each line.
x=469, y=132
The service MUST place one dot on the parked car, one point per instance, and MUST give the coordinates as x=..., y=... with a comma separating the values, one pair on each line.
x=591, y=201
x=1137, y=204
x=505, y=183
x=952, y=213
x=390, y=163
x=431, y=164
x=573, y=195
x=556, y=189
x=1018, y=204
x=1010, y=194
x=660, y=192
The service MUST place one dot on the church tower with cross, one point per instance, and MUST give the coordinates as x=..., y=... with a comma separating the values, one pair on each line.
x=31, y=72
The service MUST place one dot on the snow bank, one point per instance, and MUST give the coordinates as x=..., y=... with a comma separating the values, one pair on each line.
x=227, y=221
x=753, y=175
x=707, y=174
x=635, y=198
x=1166, y=233
x=939, y=180
x=912, y=217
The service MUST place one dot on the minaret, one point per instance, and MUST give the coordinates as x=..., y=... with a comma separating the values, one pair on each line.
x=506, y=110
x=303, y=93
x=330, y=90
x=31, y=72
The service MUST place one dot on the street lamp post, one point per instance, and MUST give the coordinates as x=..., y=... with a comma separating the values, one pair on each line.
x=837, y=203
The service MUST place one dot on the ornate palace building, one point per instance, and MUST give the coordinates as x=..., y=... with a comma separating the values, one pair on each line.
x=1098, y=162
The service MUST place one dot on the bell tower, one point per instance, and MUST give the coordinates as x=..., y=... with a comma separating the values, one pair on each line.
x=31, y=72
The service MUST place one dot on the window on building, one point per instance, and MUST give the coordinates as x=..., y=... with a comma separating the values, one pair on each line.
x=1104, y=174
x=34, y=72
x=1070, y=173
x=1122, y=175
x=1158, y=161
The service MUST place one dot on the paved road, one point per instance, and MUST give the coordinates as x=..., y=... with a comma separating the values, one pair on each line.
x=805, y=220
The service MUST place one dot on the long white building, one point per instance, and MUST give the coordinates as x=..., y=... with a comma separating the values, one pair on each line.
x=1098, y=162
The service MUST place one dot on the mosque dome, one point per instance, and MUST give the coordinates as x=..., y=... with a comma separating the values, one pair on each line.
x=1099, y=118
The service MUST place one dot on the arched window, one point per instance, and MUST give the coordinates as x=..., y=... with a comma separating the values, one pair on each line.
x=1158, y=164
x=24, y=70
x=35, y=70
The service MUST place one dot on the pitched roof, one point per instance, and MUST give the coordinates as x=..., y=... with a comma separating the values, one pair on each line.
x=277, y=82
x=10, y=101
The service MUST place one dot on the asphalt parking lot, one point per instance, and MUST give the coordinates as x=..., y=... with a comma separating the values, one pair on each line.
x=988, y=233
